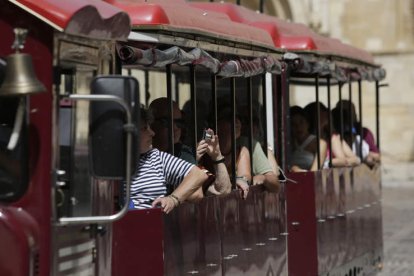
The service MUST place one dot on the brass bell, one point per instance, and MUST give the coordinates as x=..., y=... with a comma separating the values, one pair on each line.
x=20, y=78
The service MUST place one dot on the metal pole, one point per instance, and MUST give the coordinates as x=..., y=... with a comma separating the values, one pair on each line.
x=170, y=110
x=194, y=107
x=318, y=116
x=250, y=107
x=351, y=119
x=328, y=83
x=147, y=88
x=341, y=108
x=360, y=130
x=264, y=113
x=285, y=127
x=214, y=101
x=233, y=130
x=277, y=118
x=177, y=90
x=377, y=99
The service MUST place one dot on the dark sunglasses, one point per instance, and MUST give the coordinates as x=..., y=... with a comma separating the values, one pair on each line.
x=165, y=121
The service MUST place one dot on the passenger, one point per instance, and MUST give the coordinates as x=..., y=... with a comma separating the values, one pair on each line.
x=304, y=144
x=243, y=175
x=157, y=170
x=159, y=107
x=211, y=146
x=265, y=169
x=160, y=112
x=342, y=154
x=352, y=138
x=374, y=154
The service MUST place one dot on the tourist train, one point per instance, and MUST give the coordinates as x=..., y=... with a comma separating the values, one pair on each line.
x=72, y=78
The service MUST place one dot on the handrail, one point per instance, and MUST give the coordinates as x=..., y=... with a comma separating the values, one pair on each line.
x=121, y=213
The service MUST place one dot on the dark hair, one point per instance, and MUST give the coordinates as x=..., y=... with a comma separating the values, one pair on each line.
x=145, y=115
x=297, y=110
x=336, y=116
x=310, y=111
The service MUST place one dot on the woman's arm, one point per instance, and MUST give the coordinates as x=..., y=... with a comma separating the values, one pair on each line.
x=263, y=170
x=243, y=169
x=222, y=183
x=272, y=161
x=323, y=150
x=351, y=158
x=339, y=158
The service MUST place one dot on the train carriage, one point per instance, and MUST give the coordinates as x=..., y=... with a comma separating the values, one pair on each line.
x=65, y=212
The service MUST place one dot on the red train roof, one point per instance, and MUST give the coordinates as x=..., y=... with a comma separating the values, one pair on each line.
x=287, y=35
x=180, y=15
x=81, y=17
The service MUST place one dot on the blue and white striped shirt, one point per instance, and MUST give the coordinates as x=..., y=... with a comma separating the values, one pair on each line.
x=156, y=172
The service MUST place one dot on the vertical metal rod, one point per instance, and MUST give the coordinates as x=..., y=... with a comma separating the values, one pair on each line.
x=194, y=107
x=341, y=108
x=351, y=119
x=318, y=116
x=377, y=114
x=285, y=127
x=170, y=110
x=360, y=130
x=251, y=127
x=214, y=100
x=261, y=6
x=277, y=117
x=147, y=88
x=328, y=83
x=233, y=130
x=177, y=90
x=264, y=113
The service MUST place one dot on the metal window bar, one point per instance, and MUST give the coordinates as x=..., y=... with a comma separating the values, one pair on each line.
x=264, y=113
x=318, y=116
x=170, y=110
x=285, y=127
x=147, y=88
x=251, y=127
x=194, y=106
x=214, y=100
x=360, y=130
x=277, y=118
x=341, y=109
x=328, y=84
x=351, y=119
x=177, y=90
x=233, y=130
x=377, y=99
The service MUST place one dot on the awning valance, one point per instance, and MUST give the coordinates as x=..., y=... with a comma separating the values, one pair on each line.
x=229, y=68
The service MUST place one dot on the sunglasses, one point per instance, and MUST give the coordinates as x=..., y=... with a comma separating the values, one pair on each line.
x=164, y=122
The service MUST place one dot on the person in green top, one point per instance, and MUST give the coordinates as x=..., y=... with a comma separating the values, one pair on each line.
x=264, y=172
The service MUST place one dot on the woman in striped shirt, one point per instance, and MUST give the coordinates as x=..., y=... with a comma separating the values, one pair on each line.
x=159, y=172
